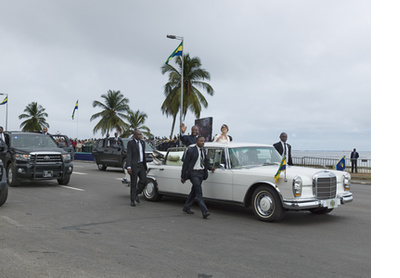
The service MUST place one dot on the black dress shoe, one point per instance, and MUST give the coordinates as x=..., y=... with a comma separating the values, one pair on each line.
x=205, y=215
x=188, y=211
x=137, y=199
x=133, y=204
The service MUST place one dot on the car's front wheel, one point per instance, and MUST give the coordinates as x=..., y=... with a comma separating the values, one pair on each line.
x=266, y=204
x=11, y=175
x=3, y=195
x=64, y=180
x=150, y=192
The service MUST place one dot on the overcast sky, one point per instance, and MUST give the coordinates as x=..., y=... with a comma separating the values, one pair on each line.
x=299, y=66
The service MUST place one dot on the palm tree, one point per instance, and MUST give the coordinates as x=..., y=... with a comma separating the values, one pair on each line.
x=193, y=77
x=36, y=118
x=114, y=109
x=136, y=121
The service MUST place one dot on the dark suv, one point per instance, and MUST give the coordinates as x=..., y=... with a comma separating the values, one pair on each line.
x=108, y=152
x=34, y=156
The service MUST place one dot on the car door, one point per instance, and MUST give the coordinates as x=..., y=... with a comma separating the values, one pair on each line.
x=64, y=143
x=168, y=174
x=219, y=184
x=98, y=151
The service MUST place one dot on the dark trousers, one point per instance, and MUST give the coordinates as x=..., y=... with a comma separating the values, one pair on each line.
x=141, y=173
x=196, y=178
x=353, y=165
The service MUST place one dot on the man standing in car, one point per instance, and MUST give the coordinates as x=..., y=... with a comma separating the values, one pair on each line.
x=136, y=165
x=284, y=149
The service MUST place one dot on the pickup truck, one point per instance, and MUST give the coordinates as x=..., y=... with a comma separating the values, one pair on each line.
x=31, y=156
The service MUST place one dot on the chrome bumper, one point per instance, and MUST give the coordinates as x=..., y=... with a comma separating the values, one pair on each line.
x=300, y=204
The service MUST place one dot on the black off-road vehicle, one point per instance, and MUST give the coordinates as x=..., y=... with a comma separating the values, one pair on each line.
x=34, y=156
x=108, y=152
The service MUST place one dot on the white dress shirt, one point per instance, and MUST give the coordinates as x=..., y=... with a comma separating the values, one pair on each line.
x=197, y=165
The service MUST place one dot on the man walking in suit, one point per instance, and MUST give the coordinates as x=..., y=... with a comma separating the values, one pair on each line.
x=136, y=165
x=195, y=167
x=354, y=156
x=284, y=149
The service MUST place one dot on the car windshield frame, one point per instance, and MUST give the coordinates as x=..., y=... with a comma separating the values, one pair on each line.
x=32, y=140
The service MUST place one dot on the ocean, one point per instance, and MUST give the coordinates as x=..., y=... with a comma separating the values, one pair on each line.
x=330, y=154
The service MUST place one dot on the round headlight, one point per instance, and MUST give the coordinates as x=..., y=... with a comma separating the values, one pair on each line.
x=297, y=186
x=346, y=181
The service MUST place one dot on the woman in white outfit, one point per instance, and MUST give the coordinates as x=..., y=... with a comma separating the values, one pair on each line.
x=223, y=137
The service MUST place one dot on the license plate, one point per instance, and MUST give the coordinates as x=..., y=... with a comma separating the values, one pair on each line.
x=331, y=203
x=47, y=174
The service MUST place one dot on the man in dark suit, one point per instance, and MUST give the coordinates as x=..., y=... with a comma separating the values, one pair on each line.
x=188, y=140
x=136, y=165
x=284, y=149
x=195, y=167
x=354, y=156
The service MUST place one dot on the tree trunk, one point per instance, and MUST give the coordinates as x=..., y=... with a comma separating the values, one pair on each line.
x=173, y=126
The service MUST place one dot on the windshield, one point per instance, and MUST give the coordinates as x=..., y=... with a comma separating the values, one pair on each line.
x=253, y=156
x=148, y=147
x=32, y=140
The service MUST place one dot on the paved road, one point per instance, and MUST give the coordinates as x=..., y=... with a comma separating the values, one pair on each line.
x=88, y=229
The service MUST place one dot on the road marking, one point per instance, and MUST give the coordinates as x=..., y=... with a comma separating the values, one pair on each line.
x=79, y=173
x=73, y=188
x=11, y=221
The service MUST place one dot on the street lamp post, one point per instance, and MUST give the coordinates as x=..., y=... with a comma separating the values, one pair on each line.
x=6, y=110
x=173, y=37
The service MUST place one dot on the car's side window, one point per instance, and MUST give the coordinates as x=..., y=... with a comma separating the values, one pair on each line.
x=100, y=143
x=216, y=158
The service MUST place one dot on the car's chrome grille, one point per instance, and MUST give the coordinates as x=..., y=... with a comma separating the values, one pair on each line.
x=46, y=158
x=324, y=185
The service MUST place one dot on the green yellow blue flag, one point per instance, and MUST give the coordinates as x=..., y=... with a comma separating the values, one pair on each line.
x=4, y=101
x=282, y=167
x=75, y=108
x=178, y=52
x=341, y=165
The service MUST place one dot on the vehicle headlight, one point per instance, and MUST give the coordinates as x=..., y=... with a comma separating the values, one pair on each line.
x=66, y=157
x=346, y=181
x=297, y=185
x=22, y=157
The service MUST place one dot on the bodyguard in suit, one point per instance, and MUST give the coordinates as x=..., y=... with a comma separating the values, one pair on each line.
x=284, y=149
x=136, y=165
x=195, y=167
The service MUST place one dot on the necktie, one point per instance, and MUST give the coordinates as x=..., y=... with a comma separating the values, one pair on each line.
x=140, y=153
x=201, y=158
x=284, y=151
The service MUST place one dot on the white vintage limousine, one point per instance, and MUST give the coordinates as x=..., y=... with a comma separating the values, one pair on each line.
x=245, y=175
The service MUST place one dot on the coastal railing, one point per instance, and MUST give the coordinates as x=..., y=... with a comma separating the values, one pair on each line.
x=363, y=165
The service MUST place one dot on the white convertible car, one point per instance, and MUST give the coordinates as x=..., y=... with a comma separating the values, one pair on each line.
x=245, y=175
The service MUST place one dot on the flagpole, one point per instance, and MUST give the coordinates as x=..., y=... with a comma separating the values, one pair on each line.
x=6, y=110
x=181, y=106
x=77, y=120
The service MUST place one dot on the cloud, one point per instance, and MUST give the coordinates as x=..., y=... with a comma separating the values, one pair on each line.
x=303, y=67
